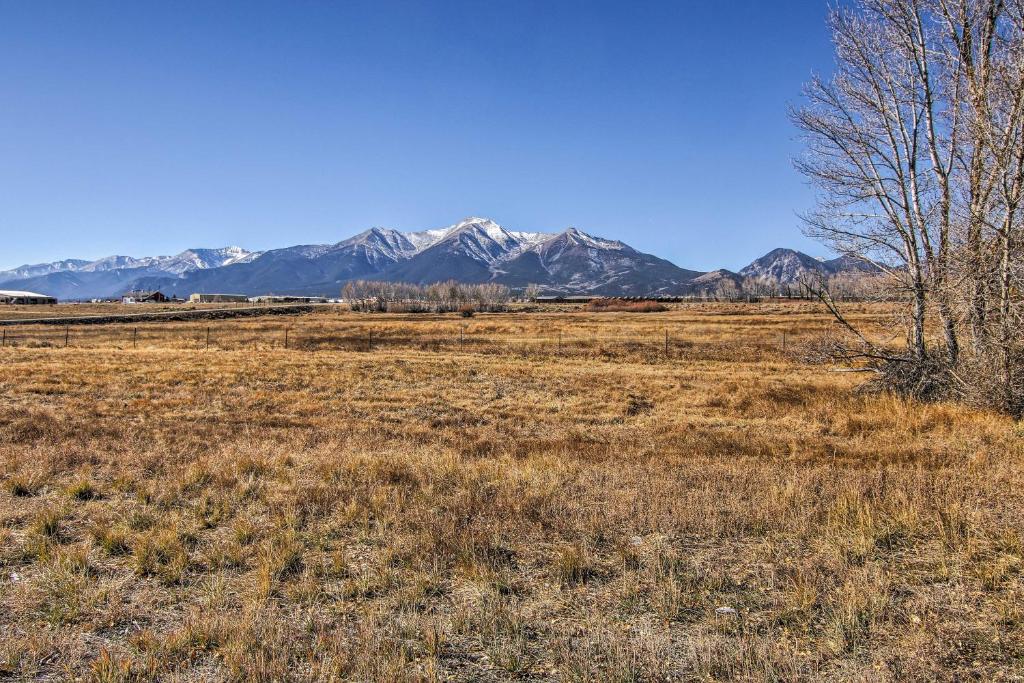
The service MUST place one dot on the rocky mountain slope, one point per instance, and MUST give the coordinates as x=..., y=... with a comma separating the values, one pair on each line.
x=789, y=267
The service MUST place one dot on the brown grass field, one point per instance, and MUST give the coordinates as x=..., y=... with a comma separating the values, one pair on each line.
x=8, y=312
x=497, y=509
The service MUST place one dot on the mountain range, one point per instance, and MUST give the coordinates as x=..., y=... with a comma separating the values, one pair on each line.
x=472, y=250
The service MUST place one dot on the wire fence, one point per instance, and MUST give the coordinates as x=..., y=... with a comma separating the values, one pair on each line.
x=651, y=344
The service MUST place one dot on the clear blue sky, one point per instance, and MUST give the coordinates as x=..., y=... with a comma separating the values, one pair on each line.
x=145, y=127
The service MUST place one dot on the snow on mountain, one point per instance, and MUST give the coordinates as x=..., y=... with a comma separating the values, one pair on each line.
x=575, y=237
x=305, y=251
x=375, y=244
x=474, y=249
x=528, y=240
x=470, y=250
x=186, y=261
x=426, y=238
x=118, y=263
x=38, y=269
x=482, y=239
x=574, y=261
x=487, y=240
x=111, y=275
x=384, y=242
x=201, y=259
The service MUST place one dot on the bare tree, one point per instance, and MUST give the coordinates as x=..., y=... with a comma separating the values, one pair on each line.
x=380, y=295
x=916, y=146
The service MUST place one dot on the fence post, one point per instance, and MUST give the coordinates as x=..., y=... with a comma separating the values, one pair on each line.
x=783, y=341
x=286, y=338
x=135, y=338
x=666, y=343
x=207, y=337
x=369, y=340
x=559, y=341
x=67, y=334
x=5, y=337
x=462, y=338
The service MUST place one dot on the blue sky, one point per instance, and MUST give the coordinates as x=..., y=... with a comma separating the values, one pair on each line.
x=149, y=127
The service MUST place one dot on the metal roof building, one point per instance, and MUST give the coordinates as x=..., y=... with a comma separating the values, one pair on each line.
x=204, y=298
x=16, y=297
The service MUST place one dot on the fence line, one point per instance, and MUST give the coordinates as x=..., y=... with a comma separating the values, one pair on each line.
x=654, y=344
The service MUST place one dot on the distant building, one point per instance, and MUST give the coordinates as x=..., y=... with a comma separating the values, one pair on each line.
x=16, y=297
x=217, y=298
x=144, y=298
x=273, y=299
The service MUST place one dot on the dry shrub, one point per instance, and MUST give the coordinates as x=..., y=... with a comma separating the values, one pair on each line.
x=625, y=306
x=25, y=485
x=83, y=490
x=161, y=554
x=108, y=668
x=47, y=522
x=574, y=565
x=988, y=378
x=408, y=307
x=113, y=539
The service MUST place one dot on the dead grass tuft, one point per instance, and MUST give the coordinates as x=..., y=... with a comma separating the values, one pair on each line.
x=83, y=490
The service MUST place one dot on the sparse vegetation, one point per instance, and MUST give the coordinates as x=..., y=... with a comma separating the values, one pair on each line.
x=440, y=297
x=725, y=512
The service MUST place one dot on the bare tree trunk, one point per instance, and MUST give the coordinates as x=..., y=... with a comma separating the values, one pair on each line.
x=920, y=308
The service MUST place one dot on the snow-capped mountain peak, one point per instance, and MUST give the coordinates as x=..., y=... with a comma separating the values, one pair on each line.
x=488, y=242
x=577, y=236
x=379, y=241
x=481, y=238
x=475, y=249
x=238, y=255
x=201, y=259
x=484, y=225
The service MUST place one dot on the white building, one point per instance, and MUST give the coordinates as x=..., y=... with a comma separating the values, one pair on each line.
x=16, y=297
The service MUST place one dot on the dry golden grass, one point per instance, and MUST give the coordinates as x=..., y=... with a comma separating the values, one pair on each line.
x=408, y=514
x=9, y=312
x=707, y=330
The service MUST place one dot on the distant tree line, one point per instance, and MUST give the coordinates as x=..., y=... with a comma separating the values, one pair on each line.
x=440, y=297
